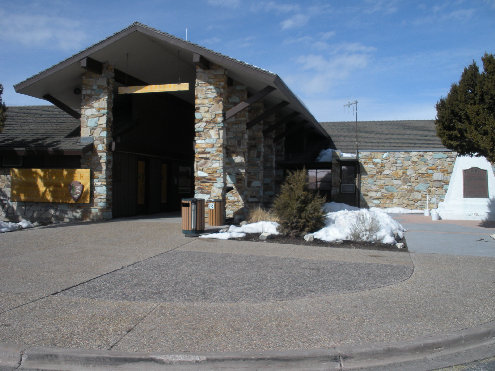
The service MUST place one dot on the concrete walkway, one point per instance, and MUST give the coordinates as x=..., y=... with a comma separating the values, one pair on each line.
x=138, y=285
x=451, y=237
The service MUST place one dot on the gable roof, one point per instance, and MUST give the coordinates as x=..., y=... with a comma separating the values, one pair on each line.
x=142, y=52
x=404, y=135
x=41, y=129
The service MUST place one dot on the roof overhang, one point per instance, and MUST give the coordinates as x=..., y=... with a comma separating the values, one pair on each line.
x=156, y=58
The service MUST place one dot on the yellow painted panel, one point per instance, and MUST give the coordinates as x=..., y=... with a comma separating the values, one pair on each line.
x=48, y=185
x=153, y=88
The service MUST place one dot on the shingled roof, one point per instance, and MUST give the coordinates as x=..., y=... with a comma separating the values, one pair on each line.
x=407, y=135
x=41, y=129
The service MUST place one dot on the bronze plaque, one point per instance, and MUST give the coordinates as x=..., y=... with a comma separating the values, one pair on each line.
x=475, y=181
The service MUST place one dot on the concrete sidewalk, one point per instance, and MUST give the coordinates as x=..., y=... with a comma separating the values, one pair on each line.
x=139, y=285
x=451, y=237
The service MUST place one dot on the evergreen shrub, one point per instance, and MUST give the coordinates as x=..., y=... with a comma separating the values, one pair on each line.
x=299, y=210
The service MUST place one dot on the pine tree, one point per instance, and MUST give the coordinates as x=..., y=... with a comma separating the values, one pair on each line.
x=3, y=109
x=299, y=211
x=466, y=117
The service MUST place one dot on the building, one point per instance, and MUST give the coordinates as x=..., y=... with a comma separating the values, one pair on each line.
x=154, y=119
x=404, y=164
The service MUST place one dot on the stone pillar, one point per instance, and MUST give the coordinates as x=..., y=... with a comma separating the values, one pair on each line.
x=279, y=149
x=255, y=158
x=96, y=122
x=236, y=154
x=209, y=159
x=268, y=164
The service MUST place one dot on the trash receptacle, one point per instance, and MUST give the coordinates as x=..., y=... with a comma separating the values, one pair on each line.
x=216, y=212
x=193, y=216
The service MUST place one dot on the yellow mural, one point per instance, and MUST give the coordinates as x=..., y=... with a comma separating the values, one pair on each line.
x=49, y=185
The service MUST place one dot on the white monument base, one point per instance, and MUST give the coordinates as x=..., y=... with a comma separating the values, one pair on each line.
x=455, y=206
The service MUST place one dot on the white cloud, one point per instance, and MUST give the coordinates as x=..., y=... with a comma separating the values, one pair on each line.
x=211, y=41
x=41, y=30
x=272, y=6
x=321, y=72
x=327, y=35
x=225, y=3
x=381, y=6
x=445, y=13
x=296, y=21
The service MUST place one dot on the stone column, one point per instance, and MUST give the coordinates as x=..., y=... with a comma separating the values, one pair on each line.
x=279, y=149
x=255, y=158
x=96, y=122
x=209, y=159
x=236, y=154
x=268, y=164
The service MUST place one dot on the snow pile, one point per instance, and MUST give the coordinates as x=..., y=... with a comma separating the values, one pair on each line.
x=9, y=227
x=397, y=210
x=344, y=222
x=347, y=155
x=325, y=155
x=239, y=232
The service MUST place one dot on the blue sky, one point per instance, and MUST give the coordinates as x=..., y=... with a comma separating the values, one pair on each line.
x=397, y=58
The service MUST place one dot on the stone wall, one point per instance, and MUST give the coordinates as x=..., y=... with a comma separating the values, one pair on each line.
x=255, y=152
x=41, y=212
x=96, y=122
x=268, y=163
x=209, y=177
x=236, y=154
x=403, y=179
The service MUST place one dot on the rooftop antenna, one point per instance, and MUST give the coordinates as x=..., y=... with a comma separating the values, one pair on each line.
x=354, y=106
x=355, y=111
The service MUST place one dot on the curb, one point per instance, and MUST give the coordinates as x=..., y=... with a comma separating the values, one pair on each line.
x=340, y=357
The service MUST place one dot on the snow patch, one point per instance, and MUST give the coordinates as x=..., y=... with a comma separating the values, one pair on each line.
x=239, y=232
x=325, y=155
x=9, y=226
x=397, y=210
x=344, y=222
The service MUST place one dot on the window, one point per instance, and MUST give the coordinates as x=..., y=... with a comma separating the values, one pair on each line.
x=347, y=178
x=320, y=179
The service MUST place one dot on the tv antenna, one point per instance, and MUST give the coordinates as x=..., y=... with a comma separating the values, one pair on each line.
x=354, y=106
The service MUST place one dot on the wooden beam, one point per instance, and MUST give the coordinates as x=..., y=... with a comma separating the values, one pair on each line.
x=92, y=65
x=126, y=79
x=282, y=121
x=62, y=106
x=291, y=131
x=153, y=88
x=270, y=111
x=253, y=99
x=201, y=61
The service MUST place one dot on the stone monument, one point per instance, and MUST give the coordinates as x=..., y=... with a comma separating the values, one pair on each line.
x=471, y=192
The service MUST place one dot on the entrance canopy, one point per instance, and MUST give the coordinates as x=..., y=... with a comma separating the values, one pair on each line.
x=142, y=54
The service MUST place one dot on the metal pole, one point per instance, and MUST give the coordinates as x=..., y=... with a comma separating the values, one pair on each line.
x=358, y=169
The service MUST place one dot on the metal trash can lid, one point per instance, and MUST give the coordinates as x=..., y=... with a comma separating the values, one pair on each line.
x=193, y=200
